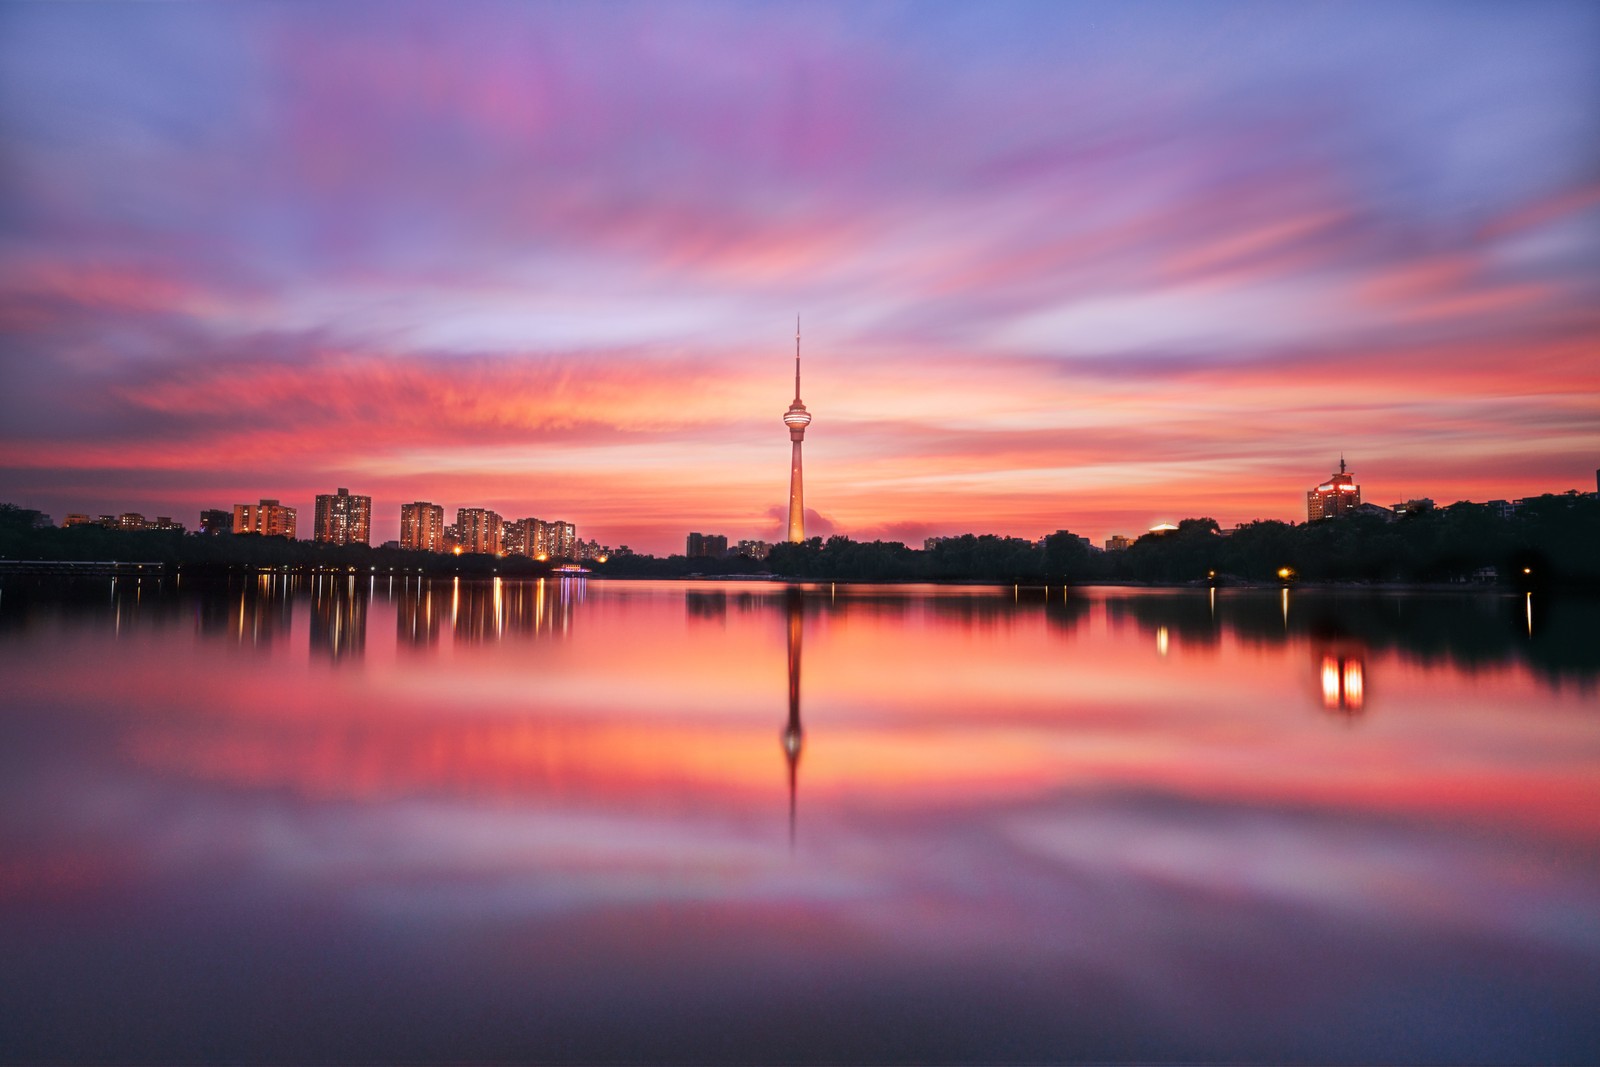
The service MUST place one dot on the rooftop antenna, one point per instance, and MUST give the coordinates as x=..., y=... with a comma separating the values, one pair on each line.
x=797, y=359
x=797, y=393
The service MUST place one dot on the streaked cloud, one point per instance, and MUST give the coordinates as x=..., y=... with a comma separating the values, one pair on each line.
x=1059, y=265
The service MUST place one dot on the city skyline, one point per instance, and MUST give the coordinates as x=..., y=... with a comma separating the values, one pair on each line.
x=1063, y=265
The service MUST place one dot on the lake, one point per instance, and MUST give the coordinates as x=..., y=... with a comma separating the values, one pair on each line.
x=357, y=818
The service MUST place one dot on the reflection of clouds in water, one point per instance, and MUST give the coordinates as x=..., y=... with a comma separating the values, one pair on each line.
x=1414, y=877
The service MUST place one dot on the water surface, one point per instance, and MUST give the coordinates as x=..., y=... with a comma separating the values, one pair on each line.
x=354, y=818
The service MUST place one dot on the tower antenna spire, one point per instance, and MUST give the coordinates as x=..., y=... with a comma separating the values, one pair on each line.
x=1341, y=454
x=797, y=359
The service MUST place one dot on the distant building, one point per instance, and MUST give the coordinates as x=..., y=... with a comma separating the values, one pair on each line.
x=520, y=537
x=268, y=518
x=216, y=521
x=165, y=524
x=1118, y=543
x=422, y=527
x=1162, y=528
x=342, y=519
x=513, y=537
x=1412, y=507
x=543, y=540
x=563, y=539
x=1339, y=495
x=1375, y=511
x=755, y=549
x=706, y=546
x=130, y=521
x=76, y=518
x=479, y=530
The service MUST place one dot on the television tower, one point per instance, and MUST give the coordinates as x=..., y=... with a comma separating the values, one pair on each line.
x=797, y=418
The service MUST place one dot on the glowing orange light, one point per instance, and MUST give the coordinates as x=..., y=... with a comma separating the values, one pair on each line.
x=1352, y=685
x=1285, y=573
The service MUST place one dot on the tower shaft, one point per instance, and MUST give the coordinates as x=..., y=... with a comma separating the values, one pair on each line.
x=797, y=496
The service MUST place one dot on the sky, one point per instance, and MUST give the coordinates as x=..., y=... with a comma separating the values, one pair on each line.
x=1059, y=265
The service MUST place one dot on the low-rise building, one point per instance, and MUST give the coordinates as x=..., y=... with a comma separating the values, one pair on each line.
x=268, y=518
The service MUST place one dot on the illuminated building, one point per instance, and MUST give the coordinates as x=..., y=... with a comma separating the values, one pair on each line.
x=216, y=521
x=1412, y=507
x=478, y=530
x=513, y=537
x=342, y=519
x=1163, y=528
x=1118, y=543
x=422, y=527
x=592, y=550
x=755, y=549
x=164, y=523
x=268, y=518
x=797, y=419
x=130, y=520
x=1339, y=495
x=563, y=539
x=78, y=518
x=706, y=545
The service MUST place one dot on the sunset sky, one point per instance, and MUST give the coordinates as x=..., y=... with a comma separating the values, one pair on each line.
x=1090, y=266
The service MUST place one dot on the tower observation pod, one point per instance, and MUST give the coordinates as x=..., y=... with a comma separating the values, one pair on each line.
x=797, y=418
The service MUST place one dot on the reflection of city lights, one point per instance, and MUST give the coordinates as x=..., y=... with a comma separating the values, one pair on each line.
x=1343, y=685
x=1161, y=640
x=1529, y=609
x=1330, y=682
x=1352, y=684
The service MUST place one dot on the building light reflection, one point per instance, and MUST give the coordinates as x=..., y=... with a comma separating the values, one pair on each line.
x=1343, y=683
x=1161, y=640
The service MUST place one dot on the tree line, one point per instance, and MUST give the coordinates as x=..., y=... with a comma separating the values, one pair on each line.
x=1552, y=539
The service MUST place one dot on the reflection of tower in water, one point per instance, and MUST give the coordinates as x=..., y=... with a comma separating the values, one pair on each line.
x=793, y=735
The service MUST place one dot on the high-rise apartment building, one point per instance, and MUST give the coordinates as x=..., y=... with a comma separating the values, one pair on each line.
x=342, y=519
x=563, y=540
x=706, y=545
x=216, y=521
x=422, y=527
x=1118, y=543
x=479, y=530
x=1339, y=495
x=268, y=518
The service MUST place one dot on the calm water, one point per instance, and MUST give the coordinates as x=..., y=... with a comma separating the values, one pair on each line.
x=361, y=820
